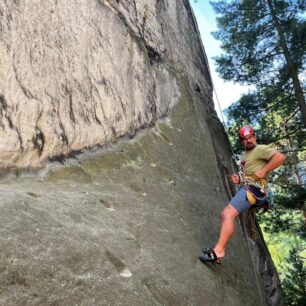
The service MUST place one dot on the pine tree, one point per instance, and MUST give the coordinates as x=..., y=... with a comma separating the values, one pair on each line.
x=264, y=43
x=294, y=285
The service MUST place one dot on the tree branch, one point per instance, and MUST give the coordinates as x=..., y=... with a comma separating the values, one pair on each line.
x=293, y=150
x=287, y=120
x=285, y=136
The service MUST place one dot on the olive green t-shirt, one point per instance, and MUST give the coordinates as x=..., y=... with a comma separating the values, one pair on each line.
x=257, y=158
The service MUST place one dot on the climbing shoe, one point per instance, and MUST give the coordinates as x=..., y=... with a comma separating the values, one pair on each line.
x=209, y=255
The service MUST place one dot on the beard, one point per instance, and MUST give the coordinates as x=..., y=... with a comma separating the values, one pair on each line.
x=250, y=146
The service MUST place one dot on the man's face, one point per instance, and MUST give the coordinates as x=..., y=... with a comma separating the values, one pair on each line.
x=249, y=142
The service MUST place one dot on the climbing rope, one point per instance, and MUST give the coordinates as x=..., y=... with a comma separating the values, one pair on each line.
x=221, y=112
x=242, y=224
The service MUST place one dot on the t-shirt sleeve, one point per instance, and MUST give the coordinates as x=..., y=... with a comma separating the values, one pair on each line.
x=266, y=152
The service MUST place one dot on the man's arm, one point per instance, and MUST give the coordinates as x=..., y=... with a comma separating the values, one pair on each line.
x=275, y=161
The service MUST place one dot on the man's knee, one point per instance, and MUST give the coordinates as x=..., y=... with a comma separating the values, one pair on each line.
x=229, y=212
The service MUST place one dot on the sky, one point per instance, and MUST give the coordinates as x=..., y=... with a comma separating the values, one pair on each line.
x=227, y=92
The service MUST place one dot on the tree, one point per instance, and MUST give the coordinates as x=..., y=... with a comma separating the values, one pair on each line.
x=272, y=128
x=283, y=227
x=294, y=284
x=264, y=43
x=273, y=106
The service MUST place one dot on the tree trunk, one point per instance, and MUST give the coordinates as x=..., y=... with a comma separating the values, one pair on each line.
x=291, y=68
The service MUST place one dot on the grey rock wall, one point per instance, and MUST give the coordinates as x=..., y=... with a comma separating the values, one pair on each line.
x=76, y=73
x=122, y=225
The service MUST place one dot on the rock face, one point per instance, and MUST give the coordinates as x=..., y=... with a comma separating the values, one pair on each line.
x=125, y=225
x=75, y=74
x=122, y=224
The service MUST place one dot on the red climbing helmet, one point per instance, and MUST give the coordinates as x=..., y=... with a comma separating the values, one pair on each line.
x=246, y=131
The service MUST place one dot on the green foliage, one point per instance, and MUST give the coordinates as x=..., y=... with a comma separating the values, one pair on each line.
x=250, y=40
x=283, y=227
x=271, y=128
x=284, y=232
x=264, y=43
x=294, y=284
x=282, y=220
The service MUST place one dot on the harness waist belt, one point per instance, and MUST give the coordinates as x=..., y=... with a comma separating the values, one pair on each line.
x=254, y=179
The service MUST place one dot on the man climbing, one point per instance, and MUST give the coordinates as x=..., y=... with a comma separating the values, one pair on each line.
x=258, y=161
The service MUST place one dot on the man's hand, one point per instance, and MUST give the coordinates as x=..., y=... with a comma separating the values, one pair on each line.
x=275, y=161
x=235, y=179
x=260, y=174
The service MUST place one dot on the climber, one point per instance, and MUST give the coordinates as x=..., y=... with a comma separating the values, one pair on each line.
x=258, y=161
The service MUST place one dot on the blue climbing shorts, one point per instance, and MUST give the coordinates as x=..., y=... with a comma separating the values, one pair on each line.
x=240, y=201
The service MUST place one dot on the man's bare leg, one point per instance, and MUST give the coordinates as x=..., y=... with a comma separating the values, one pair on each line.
x=227, y=229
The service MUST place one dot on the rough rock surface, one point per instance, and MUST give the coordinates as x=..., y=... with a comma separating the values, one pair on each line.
x=122, y=224
x=125, y=225
x=74, y=80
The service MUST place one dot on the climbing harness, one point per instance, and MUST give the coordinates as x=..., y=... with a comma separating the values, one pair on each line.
x=249, y=181
x=256, y=189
